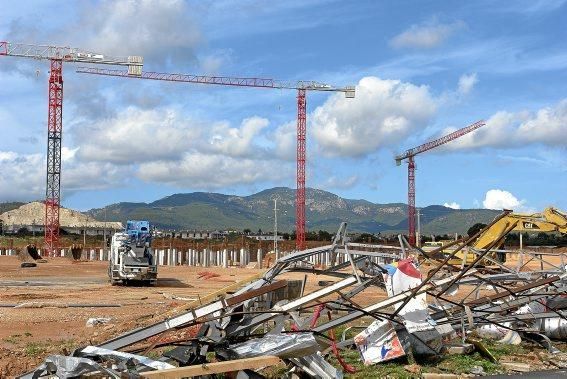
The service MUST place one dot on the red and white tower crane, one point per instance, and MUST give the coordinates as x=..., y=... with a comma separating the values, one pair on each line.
x=57, y=55
x=410, y=155
x=301, y=86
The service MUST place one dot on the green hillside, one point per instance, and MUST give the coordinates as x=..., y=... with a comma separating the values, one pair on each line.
x=325, y=210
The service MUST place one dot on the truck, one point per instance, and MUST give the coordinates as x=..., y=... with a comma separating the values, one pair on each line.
x=131, y=257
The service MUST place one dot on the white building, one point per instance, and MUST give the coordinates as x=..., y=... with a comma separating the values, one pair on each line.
x=200, y=234
x=265, y=237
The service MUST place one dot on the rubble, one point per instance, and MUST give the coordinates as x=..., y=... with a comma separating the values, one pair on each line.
x=94, y=321
x=433, y=307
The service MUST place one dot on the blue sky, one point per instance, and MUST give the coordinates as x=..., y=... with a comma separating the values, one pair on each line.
x=422, y=69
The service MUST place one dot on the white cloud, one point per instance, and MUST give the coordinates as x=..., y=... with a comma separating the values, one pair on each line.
x=93, y=176
x=285, y=140
x=452, y=205
x=159, y=145
x=426, y=35
x=22, y=176
x=238, y=142
x=383, y=113
x=551, y=158
x=467, y=83
x=529, y=7
x=211, y=63
x=340, y=182
x=547, y=126
x=68, y=154
x=211, y=171
x=80, y=175
x=136, y=135
x=500, y=199
x=163, y=146
x=163, y=32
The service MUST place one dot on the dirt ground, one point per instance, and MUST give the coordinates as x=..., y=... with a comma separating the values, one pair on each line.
x=30, y=333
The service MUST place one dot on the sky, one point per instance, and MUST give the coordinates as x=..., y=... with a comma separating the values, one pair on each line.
x=421, y=69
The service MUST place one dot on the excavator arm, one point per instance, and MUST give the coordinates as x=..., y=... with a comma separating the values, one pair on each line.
x=549, y=221
x=556, y=217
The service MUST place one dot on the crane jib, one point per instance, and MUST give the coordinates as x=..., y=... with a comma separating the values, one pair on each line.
x=224, y=80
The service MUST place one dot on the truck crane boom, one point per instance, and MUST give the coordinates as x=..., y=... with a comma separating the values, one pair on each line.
x=301, y=86
x=410, y=155
x=57, y=55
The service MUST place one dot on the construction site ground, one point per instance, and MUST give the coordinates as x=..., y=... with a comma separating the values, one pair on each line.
x=47, y=325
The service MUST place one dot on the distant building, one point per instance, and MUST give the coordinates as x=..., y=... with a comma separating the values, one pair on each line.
x=265, y=237
x=197, y=234
x=97, y=230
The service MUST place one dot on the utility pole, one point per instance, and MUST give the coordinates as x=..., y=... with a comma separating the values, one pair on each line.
x=85, y=233
x=418, y=235
x=104, y=233
x=276, y=228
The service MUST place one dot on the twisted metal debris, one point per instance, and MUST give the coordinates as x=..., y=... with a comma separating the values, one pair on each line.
x=431, y=299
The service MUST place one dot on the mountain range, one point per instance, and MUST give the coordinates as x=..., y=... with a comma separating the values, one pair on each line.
x=324, y=211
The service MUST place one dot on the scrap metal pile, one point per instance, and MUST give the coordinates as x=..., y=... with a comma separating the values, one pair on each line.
x=431, y=303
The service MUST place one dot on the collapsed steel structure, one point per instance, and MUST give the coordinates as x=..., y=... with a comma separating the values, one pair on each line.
x=486, y=296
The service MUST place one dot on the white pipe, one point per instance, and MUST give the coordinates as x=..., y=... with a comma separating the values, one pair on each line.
x=205, y=258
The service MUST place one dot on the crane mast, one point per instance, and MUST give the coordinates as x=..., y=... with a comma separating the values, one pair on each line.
x=410, y=156
x=301, y=86
x=57, y=55
x=53, y=178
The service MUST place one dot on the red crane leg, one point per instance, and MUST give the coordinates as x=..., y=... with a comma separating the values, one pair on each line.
x=301, y=149
x=54, y=130
x=411, y=200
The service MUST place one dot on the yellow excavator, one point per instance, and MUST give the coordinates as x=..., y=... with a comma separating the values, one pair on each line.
x=551, y=220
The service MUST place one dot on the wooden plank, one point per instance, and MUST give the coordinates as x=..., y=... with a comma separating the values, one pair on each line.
x=213, y=368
